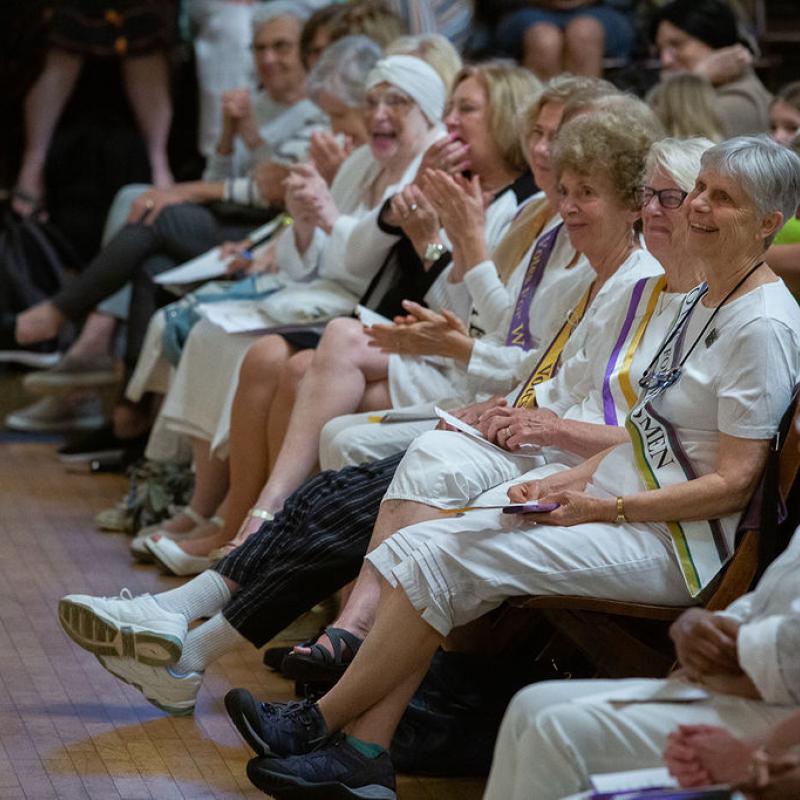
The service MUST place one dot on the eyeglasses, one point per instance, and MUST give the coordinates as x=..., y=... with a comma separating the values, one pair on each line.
x=667, y=198
x=281, y=48
x=395, y=102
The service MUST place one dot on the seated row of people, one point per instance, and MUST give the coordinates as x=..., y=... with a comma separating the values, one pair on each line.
x=631, y=391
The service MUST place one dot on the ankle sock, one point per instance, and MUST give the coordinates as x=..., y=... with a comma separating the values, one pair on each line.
x=206, y=643
x=202, y=596
x=367, y=749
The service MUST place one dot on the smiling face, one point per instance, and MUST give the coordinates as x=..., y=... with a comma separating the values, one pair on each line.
x=677, y=50
x=276, y=51
x=468, y=118
x=595, y=217
x=784, y=122
x=665, y=229
x=538, y=149
x=724, y=226
x=396, y=127
x=345, y=120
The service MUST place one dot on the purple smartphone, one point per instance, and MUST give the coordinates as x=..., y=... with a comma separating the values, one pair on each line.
x=530, y=508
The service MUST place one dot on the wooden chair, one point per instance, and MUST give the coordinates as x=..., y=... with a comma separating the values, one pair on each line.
x=632, y=639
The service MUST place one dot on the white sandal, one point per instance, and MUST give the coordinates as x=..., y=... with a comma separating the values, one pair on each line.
x=168, y=553
x=137, y=546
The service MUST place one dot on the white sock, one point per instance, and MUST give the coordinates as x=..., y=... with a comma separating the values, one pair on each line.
x=206, y=643
x=202, y=596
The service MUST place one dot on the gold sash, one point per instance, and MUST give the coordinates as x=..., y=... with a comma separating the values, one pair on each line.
x=547, y=366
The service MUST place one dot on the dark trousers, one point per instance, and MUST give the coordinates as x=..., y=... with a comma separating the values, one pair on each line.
x=140, y=252
x=313, y=547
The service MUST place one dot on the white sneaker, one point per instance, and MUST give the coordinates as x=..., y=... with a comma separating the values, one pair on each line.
x=58, y=414
x=162, y=686
x=134, y=627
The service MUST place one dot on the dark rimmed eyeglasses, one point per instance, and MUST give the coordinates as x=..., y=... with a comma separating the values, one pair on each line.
x=667, y=198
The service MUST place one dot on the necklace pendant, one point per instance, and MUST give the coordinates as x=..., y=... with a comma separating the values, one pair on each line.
x=711, y=338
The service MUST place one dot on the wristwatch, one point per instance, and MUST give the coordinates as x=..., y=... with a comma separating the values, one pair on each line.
x=434, y=251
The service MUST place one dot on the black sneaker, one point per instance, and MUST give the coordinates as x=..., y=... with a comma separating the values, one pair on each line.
x=102, y=445
x=334, y=771
x=273, y=657
x=276, y=728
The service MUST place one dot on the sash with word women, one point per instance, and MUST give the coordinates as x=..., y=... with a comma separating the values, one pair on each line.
x=700, y=545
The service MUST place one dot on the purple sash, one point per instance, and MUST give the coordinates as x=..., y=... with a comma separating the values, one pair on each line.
x=519, y=333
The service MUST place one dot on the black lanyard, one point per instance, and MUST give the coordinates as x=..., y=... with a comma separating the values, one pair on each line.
x=664, y=378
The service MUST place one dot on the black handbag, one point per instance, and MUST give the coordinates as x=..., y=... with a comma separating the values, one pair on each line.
x=34, y=258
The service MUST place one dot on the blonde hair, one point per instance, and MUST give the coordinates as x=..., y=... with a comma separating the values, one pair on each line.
x=561, y=90
x=614, y=142
x=508, y=87
x=434, y=48
x=685, y=105
x=372, y=18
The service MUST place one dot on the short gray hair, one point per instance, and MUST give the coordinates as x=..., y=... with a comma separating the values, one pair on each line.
x=679, y=158
x=768, y=172
x=266, y=12
x=342, y=70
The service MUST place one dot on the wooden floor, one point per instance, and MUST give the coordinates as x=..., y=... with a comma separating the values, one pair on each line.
x=70, y=730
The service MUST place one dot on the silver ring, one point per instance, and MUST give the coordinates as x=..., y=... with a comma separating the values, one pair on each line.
x=413, y=207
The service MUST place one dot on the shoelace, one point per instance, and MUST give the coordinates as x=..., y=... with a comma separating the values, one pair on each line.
x=125, y=594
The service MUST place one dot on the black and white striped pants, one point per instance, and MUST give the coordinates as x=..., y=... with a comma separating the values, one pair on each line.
x=312, y=548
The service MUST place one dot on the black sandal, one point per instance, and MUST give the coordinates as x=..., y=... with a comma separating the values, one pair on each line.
x=321, y=666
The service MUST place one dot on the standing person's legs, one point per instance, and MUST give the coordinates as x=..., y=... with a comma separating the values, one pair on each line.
x=43, y=107
x=146, y=81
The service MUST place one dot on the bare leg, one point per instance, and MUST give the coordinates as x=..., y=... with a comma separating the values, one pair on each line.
x=384, y=673
x=335, y=383
x=249, y=459
x=281, y=409
x=96, y=336
x=542, y=50
x=43, y=107
x=584, y=42
x=38, y=323
x=210, y=486
x=147, y=84
x=358, y=613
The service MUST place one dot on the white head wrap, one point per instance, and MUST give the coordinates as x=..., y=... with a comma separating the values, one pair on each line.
x=418, y=79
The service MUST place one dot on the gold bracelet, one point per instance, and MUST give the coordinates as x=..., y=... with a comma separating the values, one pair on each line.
x=620, y=511
x=259, y=513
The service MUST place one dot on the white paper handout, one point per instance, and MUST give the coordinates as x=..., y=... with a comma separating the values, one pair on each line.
x=211, y=264
x=635, y=779
x=474, y=433
x=673, y=690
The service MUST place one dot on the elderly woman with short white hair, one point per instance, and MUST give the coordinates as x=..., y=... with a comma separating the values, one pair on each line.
x=651, y=519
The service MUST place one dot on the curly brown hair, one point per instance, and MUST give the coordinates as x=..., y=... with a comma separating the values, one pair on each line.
x=613, y=141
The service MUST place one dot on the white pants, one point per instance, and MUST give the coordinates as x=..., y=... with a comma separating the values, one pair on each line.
x=549, y=744
x=447, y=469
x=456, y=569
x=351, y=439
x=199, y=401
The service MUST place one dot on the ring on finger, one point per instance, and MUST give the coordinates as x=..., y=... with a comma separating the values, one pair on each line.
x=412, y=208
x=148, y=204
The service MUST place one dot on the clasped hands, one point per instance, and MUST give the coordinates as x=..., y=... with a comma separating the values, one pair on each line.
x=699, y=755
